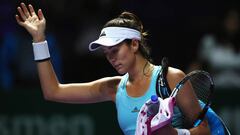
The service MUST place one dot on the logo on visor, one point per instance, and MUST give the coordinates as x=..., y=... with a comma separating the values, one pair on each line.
x=102, y=34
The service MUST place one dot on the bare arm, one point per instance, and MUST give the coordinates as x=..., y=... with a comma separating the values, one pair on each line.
x=96, y=91
x=187, y=101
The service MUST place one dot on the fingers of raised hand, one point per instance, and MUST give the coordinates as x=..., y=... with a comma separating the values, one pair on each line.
x=31, y=10
x=22, y=15
x=24, y=12
x=19, y=20
x=40, y=14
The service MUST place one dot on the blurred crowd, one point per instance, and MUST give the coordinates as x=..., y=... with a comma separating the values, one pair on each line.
x=219, y=51
x=194, y=35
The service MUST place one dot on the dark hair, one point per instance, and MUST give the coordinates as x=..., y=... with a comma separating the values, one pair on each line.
x=130, y=20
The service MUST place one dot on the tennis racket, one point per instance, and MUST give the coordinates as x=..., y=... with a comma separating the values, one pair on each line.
x=202, y=84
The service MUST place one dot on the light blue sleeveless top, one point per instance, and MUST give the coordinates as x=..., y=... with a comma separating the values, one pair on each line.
x=128, y=107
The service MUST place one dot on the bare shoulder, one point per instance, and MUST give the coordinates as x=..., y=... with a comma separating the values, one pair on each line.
x=174, y=76
x=175, y=72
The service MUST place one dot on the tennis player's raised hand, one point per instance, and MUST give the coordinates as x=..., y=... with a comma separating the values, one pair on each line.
x=34, y=23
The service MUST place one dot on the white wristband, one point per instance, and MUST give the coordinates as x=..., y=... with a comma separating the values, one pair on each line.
x=183, y=131
x=40, y=51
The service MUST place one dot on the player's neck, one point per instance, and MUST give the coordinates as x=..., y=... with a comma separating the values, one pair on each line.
x=141, y=70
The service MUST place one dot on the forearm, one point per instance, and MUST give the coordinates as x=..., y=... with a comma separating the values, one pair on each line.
x=48, y=79
x=202, y=129
x=193, y=131
x=47, y=76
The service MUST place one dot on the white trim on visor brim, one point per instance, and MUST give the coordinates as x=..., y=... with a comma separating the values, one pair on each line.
x=111, y=36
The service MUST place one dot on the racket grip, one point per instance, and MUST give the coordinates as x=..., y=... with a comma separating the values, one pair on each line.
x=201, y=116
x=197, y=122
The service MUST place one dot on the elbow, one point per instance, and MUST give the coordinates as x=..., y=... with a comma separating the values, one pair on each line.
x=49, y=94
x=48, y=97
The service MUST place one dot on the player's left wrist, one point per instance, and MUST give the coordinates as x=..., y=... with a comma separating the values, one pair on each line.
x=183, y=131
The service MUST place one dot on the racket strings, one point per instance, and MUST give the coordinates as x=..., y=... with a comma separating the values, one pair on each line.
x=201, y=85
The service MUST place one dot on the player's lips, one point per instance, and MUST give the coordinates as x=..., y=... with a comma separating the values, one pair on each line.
x=117, y=66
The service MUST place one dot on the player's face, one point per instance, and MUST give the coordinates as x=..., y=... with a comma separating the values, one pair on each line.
x=120, y=56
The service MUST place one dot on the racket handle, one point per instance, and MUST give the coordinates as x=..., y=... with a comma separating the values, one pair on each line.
x=201, y=116
x=197, y=122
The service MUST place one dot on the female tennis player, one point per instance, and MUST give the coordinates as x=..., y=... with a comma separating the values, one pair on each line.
x=123, y=42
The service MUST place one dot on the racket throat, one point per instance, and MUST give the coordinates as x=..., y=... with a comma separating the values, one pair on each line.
x=201, y=116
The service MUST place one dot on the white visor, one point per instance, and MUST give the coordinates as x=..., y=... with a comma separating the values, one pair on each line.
x=111, y=36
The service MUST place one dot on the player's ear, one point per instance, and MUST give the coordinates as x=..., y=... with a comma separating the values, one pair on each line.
x=135, y=45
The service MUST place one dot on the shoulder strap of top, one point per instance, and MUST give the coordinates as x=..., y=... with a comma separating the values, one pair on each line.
x=162, y=87
x=123, y=81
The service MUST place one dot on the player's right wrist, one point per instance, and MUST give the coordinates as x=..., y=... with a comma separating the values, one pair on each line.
x=41, y=51
x=39, y=39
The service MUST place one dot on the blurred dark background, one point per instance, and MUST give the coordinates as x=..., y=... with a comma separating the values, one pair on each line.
x=176, y=29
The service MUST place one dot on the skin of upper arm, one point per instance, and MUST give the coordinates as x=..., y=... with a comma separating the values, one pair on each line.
x=186, y=98
x=96, y=91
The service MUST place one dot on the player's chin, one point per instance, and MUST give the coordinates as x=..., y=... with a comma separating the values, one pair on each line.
x=121, y=71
